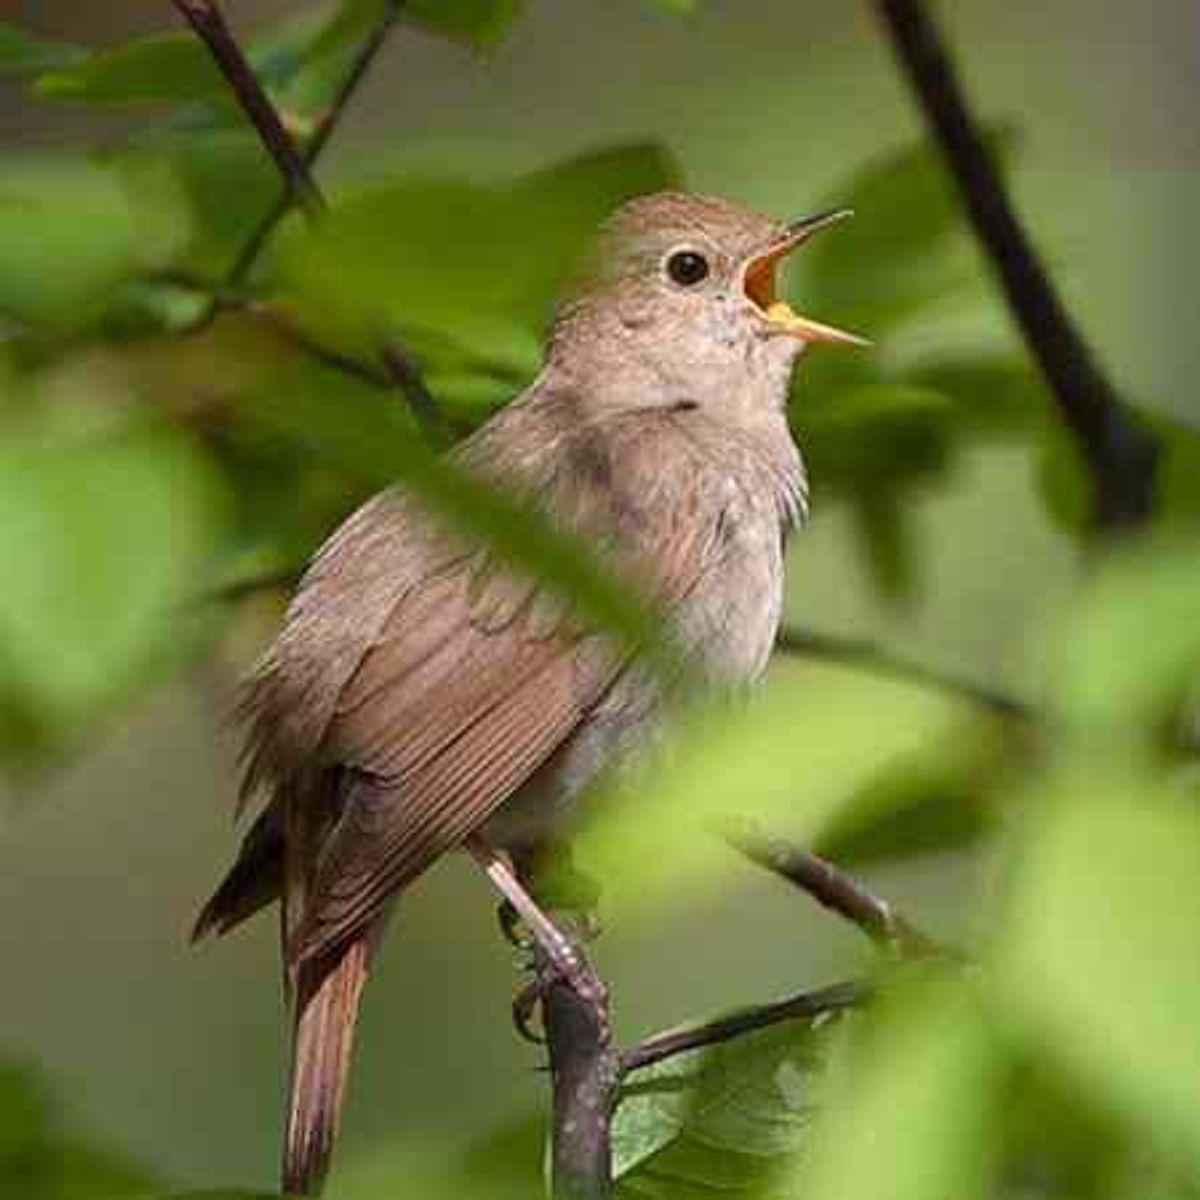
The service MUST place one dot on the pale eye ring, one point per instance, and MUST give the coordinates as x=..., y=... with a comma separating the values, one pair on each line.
x=687, y=268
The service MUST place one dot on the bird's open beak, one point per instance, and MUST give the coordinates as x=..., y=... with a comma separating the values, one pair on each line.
x=760, y=282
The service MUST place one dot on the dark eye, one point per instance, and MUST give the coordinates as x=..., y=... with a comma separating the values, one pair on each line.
x=687, y=268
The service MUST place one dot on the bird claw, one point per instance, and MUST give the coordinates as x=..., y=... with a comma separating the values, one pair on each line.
x=572, y=971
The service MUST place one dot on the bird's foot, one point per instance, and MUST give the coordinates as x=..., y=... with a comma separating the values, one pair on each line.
x=565, y=966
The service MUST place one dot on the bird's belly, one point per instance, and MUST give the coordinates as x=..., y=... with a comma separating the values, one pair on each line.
x=728, y=623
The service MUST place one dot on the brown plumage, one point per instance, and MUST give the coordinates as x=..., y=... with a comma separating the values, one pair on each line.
x=420, y=692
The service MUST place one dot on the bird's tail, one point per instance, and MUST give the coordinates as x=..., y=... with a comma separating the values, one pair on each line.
x=327, y=998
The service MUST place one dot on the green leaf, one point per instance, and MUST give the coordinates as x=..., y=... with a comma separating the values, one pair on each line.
x=911, y=1111
x=71, y=232
x=793, y=757
x=472, y=280
x=105, y=535
x=22, y=54
x=937, y=799
x=1134, y=644
x=903, y=250
x=1097, y=963
x=482, y=23
x=724, y=1117
x=168, y=66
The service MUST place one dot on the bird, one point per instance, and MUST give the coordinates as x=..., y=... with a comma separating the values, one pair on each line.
x=424, y=696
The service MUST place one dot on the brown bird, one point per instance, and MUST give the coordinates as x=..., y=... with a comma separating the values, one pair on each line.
x=421, y=698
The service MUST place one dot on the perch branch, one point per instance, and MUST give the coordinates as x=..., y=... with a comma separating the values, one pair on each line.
x=1120, y=452
x=832, y=887
x=867, y=656
x=806, y=1006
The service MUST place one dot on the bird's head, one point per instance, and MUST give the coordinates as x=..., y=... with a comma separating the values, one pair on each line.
x=683, y=289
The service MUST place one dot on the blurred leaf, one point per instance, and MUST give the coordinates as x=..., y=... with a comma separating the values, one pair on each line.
x=899, y=252
x=1179, y=470
x=21, y=53
x=1134, y=643
x=104, y=536
x=910, y=1113
x=683, y=8
x=504, y=1166
x=373, y=438
x=166, y=66
x=938, y=798
x=1097, y=963
x=727, y=1117
x=473, y=278
x=793, y=756
x=211, y=166
x=37, y=1162
x=480, y=22
x=72, y=231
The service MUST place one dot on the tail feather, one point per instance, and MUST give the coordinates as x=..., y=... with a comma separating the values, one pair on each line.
x=327, y=999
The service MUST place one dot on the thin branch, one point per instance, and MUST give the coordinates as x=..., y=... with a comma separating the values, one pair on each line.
x=206, y=19
x=1120, y=451
x=316, y=144
x=806, y=1006
x=210, y=26
x=834, y=888
x=867, y=656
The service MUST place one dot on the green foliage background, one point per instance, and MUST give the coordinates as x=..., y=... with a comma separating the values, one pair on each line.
x=154, y=463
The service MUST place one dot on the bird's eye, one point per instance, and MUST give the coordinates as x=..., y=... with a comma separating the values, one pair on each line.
x=687, y=268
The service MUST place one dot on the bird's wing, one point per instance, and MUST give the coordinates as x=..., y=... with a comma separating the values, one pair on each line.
x=475, y=675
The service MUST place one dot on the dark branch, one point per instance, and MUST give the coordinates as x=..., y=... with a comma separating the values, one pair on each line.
x=585, y=1070
x=316, y=144
x=1120, y=452
x=832, y=887
x=806, y=1006
x=206, y=19
x=858, y=652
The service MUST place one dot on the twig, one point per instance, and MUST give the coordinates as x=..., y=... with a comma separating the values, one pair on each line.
x=858, y=652
x=206, y=19
x=803, y=1007
x=832, y=887
x=316, y=144
x=1120, y=451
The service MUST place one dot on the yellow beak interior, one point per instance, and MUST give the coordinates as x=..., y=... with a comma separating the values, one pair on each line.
x=760, y=285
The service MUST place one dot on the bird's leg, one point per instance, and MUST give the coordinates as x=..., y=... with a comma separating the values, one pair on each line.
x=558, y=958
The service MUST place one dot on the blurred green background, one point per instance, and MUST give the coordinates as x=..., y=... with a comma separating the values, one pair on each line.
x=173, y=1056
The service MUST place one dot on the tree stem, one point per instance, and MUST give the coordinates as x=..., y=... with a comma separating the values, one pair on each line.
x=1120, y=452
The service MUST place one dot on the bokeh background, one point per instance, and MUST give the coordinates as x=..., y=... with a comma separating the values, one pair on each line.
x=173, y=1056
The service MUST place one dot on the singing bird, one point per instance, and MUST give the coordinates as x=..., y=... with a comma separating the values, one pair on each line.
x=423, y=697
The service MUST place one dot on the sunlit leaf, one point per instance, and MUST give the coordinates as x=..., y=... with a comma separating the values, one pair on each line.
x=21, y=53
x=910, y=1112
x=727, y=1116
x=1097, y=965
